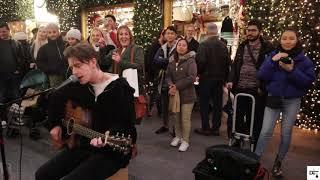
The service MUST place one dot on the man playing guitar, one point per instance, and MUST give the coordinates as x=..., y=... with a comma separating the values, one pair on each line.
x=111, y=104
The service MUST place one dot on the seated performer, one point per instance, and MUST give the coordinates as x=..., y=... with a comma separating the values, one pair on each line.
x=111, y=104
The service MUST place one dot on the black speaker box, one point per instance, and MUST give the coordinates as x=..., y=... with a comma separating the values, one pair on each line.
x=228, y=163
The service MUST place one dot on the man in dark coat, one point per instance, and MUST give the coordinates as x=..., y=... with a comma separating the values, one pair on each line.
x=213, y=63
x=13, y=66
x=50, y=57
x=243, y=79
x=192, y=43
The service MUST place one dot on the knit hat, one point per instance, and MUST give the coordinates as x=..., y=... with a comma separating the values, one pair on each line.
x=75, y=33
x=212, y=29
x=20, y=36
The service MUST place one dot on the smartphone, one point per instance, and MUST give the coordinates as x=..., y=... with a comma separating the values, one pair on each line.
x=286, y=60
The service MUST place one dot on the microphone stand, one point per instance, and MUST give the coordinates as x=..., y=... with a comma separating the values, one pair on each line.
x=4, y=106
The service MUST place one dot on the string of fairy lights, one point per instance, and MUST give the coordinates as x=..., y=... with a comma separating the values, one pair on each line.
x=147, y=21
x=304, y=16
x=16, y=10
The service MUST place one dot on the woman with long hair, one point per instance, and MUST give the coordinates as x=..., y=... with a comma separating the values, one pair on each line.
x=288, y=74
x=97, y=38
x=181, y=74
x=41, y=39
x=97, y=41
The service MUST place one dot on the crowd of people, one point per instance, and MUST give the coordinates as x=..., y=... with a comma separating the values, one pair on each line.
x=175, y=73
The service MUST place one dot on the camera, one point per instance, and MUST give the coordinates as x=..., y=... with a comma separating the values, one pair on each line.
x=286, y=60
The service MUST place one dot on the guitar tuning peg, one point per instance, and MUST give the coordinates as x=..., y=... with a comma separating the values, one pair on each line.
x=117, y=135
x=122, y=135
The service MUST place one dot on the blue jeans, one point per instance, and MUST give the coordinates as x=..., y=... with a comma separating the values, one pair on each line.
x=290, y=109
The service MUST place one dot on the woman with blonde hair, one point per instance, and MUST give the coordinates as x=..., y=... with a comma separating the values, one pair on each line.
x=41, y=39
x=97, y=41
x=97, y=38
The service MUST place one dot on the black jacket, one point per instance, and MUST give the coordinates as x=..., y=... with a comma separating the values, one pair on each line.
x=50, y=58
x=102, y=58
x=193, y=45
x=112, y=110
x=266, y=48
x=19, y=56
x=213, y=59
x=150, y=69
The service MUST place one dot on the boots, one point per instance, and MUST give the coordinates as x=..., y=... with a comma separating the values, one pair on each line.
x=276, y=169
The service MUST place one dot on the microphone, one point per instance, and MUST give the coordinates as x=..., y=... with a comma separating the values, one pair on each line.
x=71, y=79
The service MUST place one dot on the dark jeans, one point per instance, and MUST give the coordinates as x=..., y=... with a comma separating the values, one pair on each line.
x=165, y=106
x=211, y=90
x=243, y=116
x=9, y=89
x=80, y=164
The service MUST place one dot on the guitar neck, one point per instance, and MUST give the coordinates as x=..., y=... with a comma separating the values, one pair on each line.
x=84, y=131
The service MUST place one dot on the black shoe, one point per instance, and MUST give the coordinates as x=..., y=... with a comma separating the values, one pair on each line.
x=162, y=130
x=276, y=169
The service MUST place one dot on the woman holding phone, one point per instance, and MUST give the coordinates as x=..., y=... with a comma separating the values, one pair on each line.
x=288, y=74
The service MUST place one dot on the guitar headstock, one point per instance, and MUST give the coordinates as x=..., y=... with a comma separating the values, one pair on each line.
x=120, y=143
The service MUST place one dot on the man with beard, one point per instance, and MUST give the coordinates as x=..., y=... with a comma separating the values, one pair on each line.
x=243, y=79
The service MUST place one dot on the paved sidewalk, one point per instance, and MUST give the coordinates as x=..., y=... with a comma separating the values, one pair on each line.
x=157, y=160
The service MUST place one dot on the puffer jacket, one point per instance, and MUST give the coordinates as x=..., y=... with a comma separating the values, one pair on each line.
x=287, y=84
x=183, y=76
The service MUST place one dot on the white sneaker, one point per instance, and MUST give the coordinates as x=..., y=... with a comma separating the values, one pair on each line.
x=175, y=141
x=184, y=146
x=3, y=124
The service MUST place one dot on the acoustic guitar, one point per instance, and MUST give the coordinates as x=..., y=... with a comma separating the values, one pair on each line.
x=78, y=120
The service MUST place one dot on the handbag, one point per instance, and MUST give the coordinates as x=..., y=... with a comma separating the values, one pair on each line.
x=140, y=106
x=274, y=102
x=140, y=102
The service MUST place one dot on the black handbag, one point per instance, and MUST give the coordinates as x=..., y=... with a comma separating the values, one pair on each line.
x=274, y=102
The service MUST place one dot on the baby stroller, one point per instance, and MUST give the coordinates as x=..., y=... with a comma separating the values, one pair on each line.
x=31, y=111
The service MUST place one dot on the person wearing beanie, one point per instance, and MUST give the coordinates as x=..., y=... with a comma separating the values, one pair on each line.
x=73, y=37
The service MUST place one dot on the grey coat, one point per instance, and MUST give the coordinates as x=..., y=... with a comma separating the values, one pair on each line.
x=183, y=76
